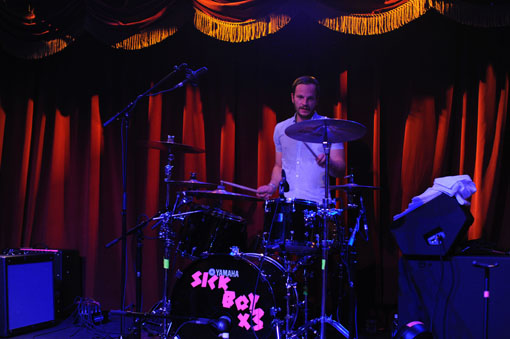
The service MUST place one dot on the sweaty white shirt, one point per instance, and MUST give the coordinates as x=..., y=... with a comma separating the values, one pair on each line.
x=305, y=177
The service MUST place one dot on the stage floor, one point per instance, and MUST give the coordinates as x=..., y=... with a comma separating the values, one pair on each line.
x=110, y=328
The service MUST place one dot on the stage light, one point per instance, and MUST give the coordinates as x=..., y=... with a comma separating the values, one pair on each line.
x=413, y=330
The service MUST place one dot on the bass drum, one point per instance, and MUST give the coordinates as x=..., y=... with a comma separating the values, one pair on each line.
x=312, y=330
x=248, y=288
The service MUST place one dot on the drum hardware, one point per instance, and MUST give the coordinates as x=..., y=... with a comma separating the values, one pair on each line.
x=289, y=225
x=166, y=234
x=350, y=187
x=192, y=183
x=138, y=231
x=213, y=230
x=153, y=320
x=170, y=145
x=325, y=131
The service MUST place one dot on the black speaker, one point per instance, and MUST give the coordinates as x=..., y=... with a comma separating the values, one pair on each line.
x=433, y=228
x=448, y=296
x=27, y=300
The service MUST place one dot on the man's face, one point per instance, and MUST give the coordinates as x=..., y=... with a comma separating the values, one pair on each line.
x=305, y=101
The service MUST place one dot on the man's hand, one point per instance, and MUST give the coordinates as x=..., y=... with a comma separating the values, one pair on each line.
x=266, y=191
x=321, y=160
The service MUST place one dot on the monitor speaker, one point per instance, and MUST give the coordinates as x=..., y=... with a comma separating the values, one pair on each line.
x=433, y=228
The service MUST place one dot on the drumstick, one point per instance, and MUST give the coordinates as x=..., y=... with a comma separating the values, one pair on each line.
x=313, y=153
x=239, y=186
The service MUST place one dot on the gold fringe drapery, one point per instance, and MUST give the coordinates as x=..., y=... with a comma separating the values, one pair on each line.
x=145, y=39
x=239, y=31
x=379, y=23
x=474, y=15
x=33, y=50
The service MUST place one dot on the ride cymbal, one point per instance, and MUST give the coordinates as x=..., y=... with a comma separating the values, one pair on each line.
x=326, y=130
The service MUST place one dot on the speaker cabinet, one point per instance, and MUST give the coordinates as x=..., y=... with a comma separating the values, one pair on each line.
x=448, y=296
x=433, y=228
x=27, y=300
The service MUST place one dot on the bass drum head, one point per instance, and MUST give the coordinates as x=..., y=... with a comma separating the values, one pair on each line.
x=223, y=285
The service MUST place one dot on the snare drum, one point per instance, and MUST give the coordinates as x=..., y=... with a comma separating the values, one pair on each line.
x=291, y=225
x=248, y=290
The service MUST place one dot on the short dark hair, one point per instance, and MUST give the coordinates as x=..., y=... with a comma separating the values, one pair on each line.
x=306, y=80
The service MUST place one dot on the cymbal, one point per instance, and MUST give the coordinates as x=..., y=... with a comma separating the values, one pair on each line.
x=333, y=130
x=192, y=183
x=174, y=146
x=353, y=187
x=221, y=194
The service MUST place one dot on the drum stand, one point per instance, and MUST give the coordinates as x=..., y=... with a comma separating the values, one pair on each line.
x=324, y=214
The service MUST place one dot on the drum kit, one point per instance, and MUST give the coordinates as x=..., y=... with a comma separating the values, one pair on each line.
x=225, y=291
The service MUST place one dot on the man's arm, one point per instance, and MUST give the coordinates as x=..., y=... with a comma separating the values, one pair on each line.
x=266, y=191
x=336, y=162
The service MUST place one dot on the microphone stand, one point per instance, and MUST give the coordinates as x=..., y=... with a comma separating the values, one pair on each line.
x=124, y=115
x=138, y=229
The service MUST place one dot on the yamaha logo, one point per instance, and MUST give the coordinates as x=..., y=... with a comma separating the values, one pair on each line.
x=222, y=272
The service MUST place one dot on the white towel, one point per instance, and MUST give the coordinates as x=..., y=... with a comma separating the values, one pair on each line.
x=460, y=186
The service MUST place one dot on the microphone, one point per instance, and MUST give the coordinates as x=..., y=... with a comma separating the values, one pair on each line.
x=222, y=324
x=181, y=66
x=192, y=76
x=284, y=185
x=364, y=215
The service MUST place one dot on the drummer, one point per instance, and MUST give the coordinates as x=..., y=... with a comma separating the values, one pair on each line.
x=303, y=163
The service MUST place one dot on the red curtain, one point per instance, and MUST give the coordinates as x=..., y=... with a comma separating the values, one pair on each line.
x=433, y=95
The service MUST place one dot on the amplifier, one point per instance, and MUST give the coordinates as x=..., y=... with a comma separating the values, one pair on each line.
x=27, y=298
x=68, y=278
x=67, y=271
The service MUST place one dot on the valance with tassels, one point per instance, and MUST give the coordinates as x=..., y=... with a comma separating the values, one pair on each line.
x=36, y=29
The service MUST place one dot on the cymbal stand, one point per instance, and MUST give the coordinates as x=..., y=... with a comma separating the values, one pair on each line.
x=350, y=254
x=325, y=243
x=325, y=214
x=167, y=235
x=289, y=286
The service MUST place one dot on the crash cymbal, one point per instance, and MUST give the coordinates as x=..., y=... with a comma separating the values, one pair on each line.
x=174, y=146
x=192, y=183
x=221, y=194
x=329, y=130
x=353, y=187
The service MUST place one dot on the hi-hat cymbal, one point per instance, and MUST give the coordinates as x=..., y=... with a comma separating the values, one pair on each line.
x=353, y=187
x=221, y=194
x=173, y=146
x=329, y=130
x=192, y=183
